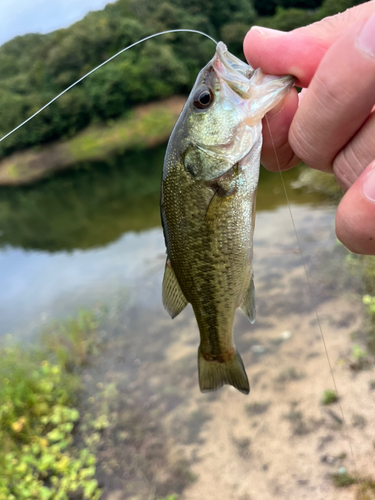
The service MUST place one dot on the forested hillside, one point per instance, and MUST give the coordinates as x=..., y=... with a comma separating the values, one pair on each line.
x=34, y=68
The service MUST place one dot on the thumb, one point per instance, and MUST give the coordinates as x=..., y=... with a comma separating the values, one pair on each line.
x=355, y=218
x=300, y=51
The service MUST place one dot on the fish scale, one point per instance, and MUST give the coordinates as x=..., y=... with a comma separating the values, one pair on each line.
x=209, y=184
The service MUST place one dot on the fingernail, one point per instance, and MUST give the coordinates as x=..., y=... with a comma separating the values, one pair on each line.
x=267, y=31
x=369, y=184
x=366, y=38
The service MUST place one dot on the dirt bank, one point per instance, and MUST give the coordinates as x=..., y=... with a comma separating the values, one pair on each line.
x=279, y=442
x=145, y=127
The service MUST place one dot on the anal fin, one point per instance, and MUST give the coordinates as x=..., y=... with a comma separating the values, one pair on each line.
x=248, y=303
x=174, y=300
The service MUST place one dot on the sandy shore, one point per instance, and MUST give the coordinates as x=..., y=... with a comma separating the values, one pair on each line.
x=278, y=442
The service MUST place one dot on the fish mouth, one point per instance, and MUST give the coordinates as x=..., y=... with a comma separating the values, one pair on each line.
x=245, y=80
x=231, y=63
x=232, y=70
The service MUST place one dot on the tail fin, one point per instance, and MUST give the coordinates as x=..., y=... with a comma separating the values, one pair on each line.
x=213, y=375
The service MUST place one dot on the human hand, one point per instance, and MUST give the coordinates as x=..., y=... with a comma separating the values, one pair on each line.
x=331, y=125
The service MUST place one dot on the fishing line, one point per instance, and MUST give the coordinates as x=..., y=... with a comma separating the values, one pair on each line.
x=314, y=306
x=100, y=66
x=282, y=181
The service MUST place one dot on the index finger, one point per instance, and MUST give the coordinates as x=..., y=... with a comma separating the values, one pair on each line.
x=300, y=51
x=276, y=152
x=279, y=53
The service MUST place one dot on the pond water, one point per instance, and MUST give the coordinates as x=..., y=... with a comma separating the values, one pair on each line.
x=80, y=236
x=93, y=234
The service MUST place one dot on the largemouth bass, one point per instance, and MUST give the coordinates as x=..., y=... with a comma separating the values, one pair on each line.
x=209, y=185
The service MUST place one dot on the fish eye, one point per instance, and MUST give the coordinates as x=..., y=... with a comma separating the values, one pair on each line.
x=203, y=97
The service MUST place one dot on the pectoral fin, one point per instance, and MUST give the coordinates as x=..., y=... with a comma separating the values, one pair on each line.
x=248, y=304
x=174, y=300
x=222, y=193
x=212, y=206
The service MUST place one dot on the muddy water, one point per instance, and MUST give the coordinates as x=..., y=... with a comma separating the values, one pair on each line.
x=165, y=436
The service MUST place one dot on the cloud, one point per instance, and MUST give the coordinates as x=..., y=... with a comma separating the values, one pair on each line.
x=18, y=17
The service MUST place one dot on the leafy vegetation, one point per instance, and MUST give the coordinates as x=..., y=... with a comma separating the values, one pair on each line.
x=148, y=126
x=364, y=266
x=34, y=68
x=329, y=397
x=366, y=485
x=38, y=415
x=343, y=479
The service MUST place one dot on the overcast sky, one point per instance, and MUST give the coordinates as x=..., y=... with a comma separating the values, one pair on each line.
x=18, y=17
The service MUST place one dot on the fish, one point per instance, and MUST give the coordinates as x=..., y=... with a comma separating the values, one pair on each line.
x=208, y=195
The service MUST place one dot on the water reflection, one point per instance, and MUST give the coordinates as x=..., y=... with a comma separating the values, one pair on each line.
x=82, y=235
x=95, y=204
x=37, y=285
x=89, y=206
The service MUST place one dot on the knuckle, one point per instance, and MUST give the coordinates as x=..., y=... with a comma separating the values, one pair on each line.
x=312, y=131
x=345, y=168
x=304, y=146
x=333, y=94
x=354, y=158
x=345, y=231
x=280, y=158
x=355, y=224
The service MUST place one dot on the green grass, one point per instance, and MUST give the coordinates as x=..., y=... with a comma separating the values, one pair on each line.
x=364, y=267
x=38, y=415
x=342, y=479
x=329, y=397
x=97, y=143
x=366, y=485
x=144, y=128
